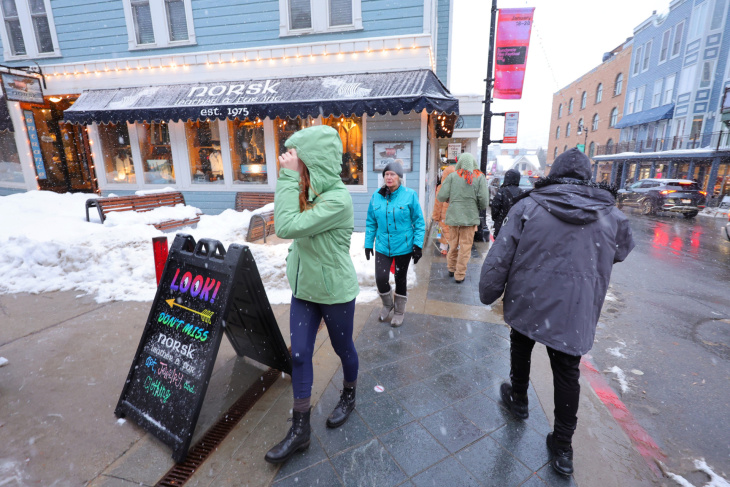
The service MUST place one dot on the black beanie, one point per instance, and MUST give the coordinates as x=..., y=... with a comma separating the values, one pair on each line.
x=396, y=167
x=572, y=164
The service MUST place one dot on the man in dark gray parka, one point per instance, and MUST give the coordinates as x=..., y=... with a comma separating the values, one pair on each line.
x=553, y=259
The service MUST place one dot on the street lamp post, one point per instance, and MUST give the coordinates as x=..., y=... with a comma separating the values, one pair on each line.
x=582, y=129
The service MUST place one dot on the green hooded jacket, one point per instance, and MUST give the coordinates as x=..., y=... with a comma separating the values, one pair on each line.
x=465, y=200
x=318, y=267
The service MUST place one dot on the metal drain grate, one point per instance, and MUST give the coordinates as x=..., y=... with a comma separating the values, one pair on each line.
x=181, y=472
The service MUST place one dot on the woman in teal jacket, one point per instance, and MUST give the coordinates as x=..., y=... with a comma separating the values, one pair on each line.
x=313, y=207
x=395, y=225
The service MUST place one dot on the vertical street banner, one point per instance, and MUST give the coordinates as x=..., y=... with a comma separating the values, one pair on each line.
x=513, y=40
x=511, y=121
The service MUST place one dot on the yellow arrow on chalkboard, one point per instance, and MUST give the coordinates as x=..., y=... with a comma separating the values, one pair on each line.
x=206, y=313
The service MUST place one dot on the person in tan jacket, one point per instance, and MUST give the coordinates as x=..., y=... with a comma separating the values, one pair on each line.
x=439, y=213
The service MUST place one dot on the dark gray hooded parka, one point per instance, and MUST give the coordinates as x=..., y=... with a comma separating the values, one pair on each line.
x=554, y=255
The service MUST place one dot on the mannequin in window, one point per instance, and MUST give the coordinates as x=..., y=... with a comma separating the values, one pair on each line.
x=216, y=160
x=123, y=165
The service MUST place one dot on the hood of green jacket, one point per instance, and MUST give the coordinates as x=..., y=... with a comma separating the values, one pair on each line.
x=466, y=161
x=320, y=148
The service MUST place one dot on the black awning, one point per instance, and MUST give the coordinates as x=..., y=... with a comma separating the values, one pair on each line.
x=348, y=94
x=5, y=122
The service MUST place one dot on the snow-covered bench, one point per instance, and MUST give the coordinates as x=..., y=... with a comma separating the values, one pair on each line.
x=252, y=202
x=141, y=203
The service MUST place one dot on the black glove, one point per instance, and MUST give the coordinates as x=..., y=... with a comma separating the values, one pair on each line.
x=368, y=253
x=416, y=254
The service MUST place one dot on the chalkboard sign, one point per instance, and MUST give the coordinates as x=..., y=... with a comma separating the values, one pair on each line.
x=169, y=376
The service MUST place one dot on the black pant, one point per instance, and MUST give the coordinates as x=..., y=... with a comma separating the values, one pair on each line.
x=566, y=373
x=382, y=270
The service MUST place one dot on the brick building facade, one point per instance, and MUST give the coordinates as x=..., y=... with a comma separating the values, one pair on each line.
x=595, y=101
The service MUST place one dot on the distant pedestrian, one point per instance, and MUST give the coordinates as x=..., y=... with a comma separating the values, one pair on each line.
x=395, y=229
x=466, y=192
x=313, y=207
x=504, y=198
x=553, y=263
x=439, y=214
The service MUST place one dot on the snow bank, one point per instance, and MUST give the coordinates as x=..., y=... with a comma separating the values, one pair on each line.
x=49, y=246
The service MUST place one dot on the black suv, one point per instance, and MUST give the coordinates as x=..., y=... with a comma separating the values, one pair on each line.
x=654, y=195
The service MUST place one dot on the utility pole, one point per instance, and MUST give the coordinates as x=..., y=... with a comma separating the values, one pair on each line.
x=486, y=131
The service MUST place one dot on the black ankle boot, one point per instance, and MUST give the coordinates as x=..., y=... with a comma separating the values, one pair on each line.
x=295, y=440
x=343, y=409
x=562, y=453
x=517, y=404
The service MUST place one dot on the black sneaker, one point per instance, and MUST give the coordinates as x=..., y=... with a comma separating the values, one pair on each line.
x=516, y=404
x=562, y=461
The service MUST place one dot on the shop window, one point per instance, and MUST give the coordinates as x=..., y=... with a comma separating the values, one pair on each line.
x=350, y=130
x=156, y=151
x=248, y=154
x=312, y=16
x=285, y=128
x=10, y=169
x=159, y=23
x=116, y=153
x=204, y=152
x=28, y=29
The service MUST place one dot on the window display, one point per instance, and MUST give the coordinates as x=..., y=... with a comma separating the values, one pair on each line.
x=156, y=151
x=204, y=152
x=285, y=128
x=350, y=130
x=248, y=154
x=116, y=153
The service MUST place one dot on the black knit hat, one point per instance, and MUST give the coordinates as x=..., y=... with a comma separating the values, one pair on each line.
x=396, y=167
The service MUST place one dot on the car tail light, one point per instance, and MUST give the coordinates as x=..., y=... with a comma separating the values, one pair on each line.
x=703, y=193
x=667, y=191
x=685, y=183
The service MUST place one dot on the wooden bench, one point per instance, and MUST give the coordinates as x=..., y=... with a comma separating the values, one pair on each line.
x=262, y=223
x=141, y=203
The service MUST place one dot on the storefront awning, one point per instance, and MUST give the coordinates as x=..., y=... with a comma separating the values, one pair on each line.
x=663, y=112
x=349, y=94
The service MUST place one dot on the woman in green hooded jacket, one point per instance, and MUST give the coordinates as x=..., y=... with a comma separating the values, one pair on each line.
x=313, y=207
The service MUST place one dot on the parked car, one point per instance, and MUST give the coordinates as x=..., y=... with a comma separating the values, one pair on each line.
x=654, y=195
x=494, y=184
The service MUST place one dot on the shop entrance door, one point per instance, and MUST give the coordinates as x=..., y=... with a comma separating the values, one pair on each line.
x=65, y=151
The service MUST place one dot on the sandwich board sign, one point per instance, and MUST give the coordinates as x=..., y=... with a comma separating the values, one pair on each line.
x=171, y=370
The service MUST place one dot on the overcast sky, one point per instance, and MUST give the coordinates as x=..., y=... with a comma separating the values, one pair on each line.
x=568, y=39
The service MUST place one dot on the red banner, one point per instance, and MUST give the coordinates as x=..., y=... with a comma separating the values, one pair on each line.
x=513, y=40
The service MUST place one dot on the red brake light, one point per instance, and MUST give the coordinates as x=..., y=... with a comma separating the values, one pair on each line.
x=667, y=191
x=703, y=193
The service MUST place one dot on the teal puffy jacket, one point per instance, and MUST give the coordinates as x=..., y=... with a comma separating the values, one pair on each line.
x=395, y=222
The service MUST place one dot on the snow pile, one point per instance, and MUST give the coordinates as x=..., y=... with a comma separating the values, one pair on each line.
x=700, y=465
x=620, y=377
x=714, y=212
x=49, y=246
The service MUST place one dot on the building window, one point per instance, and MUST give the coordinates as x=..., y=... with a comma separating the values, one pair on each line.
x=581, y=127
x=583, y=100
x=591, y=149
x=669, y=89
x=567, y=130
x=159, y=23
x=28, y=29
x=570, y=106
x=697, y=22
x=696, y=129
x=565, y=148
x=647, y=56
x=156, y=152
x=677, y=44
x=619, y=85
x=560, y=110
x=555, y=154
x=640, y=98
x=656, y=95
x=599, y=93
x=706, y=78
x=10, y=168
x=248, y=154
x=117, y=153
x=557, y=133
x=614, y=117
x=664, y=50
x=594, y=126
x=717, y=14
x=637, y=61
x=630, y=104
x=312, y=16
x=204, y=152
x=609, y=146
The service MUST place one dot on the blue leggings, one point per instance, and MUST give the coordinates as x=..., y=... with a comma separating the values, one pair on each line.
x=304, y=320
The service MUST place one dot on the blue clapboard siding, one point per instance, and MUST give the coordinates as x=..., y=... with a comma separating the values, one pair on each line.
x=96, y=29
x=442, y=41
